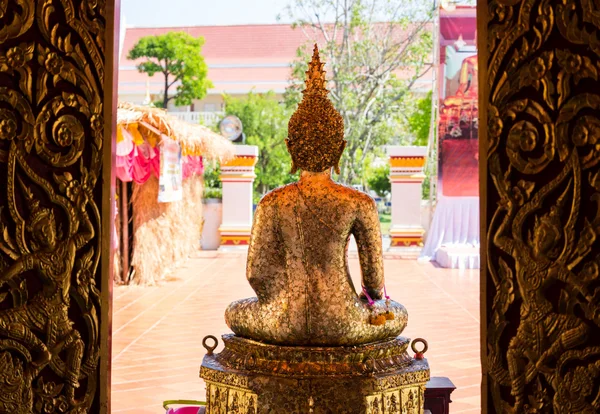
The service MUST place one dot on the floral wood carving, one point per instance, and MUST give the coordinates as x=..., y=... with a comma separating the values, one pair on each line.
x=51, y=137
x=543, y=206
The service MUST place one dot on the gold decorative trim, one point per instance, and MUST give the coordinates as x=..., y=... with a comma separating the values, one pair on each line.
x=305, y=362
x=398, y=241
x=407, y=162
x=240, y=161
x=237, y=177
x=418, y=232
x=372, y=378
x=235, y=240
x=400, y=178
x=235, y=230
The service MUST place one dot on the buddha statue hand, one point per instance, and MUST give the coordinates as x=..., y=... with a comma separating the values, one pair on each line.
x=378, y=318
x=388, y=315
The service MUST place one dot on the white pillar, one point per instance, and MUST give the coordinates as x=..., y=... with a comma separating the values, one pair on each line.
x=406, y=175
x=237, y=177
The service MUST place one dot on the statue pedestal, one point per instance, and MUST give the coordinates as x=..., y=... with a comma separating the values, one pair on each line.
x=252, y=377
x=406, y=175
x=237, y=177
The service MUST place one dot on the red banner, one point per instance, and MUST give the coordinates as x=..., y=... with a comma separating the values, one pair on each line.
x=458, y=109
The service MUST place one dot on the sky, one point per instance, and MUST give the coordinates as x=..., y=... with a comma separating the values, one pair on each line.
x=165, y=13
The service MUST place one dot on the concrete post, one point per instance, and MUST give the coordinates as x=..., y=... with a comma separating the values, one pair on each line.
x=237, y=177
x=406, y=175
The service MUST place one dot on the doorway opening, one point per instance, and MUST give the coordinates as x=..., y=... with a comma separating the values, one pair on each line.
x=158, y=329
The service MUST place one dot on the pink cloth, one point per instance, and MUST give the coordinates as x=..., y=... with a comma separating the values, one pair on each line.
x=126, y=145
x=192, y=165
x=143, y=161
x=124, y=166
x=115, y=235
x=185, y=410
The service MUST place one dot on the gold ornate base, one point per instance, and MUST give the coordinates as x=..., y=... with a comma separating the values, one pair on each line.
x=251, y=377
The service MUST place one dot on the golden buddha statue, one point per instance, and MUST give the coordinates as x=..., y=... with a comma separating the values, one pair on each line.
x=468, y=89
x=297, y=260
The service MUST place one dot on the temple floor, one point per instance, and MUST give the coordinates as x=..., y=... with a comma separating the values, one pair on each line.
x=158, y=331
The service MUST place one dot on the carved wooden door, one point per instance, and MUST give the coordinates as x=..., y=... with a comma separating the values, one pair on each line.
x=540, y=192
x=56, y=121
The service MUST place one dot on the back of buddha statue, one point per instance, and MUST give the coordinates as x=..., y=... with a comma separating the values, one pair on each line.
x=313, y=221
x=297, y=259
x=318, y=212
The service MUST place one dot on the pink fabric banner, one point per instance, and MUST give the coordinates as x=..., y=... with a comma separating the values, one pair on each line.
x=124, y=145
x=124, y=166
x=458, y=129
x=192, y=165
x=144, y=161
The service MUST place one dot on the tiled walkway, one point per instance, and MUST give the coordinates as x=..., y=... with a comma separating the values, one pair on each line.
x=158, y=331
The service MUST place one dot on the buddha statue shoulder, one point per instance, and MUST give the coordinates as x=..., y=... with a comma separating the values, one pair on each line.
x=297, y=260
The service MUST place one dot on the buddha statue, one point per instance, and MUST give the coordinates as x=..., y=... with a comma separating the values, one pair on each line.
x=297, y=259
x=468, y=89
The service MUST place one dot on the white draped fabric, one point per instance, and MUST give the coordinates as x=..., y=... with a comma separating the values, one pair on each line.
x=455, y=226
x=455, y=257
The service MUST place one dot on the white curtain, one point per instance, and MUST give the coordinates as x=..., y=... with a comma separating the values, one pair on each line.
x=455, y=224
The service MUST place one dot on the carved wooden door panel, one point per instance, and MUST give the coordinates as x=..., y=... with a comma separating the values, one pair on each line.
x=56, y=113
x=540, y=101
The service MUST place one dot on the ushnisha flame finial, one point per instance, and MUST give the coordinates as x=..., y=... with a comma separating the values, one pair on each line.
x=315, y=75
x=316, y=130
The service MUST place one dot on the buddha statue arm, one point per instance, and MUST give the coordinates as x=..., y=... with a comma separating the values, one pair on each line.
x=367, y=232
x=265, y=251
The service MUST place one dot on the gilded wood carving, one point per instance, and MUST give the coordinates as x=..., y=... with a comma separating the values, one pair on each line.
x=543, y=206
x=51, y=138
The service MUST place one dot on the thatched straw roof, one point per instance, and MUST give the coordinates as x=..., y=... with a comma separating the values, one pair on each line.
x=194, y=139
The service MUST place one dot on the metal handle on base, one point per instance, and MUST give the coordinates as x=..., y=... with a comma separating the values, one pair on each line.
x=419, y=354
x=166, y=404
x=210, y=349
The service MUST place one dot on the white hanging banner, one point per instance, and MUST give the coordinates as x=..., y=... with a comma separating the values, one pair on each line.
x=171, y=177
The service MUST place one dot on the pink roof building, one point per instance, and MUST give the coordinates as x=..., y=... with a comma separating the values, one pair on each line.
x=240, y=59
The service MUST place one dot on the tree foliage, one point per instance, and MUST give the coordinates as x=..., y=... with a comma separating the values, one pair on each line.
x=419, y=122
x=177, y=56
x=265, y=121
x=212, y=175
x=365, y=44
x=378, y=179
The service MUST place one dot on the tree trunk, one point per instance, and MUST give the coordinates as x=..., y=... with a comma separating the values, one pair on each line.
x=166, y=96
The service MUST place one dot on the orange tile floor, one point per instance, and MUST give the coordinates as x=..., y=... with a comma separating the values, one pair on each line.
x=158, y=331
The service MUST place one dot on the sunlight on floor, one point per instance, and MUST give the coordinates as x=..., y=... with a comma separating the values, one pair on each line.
x=158, y=331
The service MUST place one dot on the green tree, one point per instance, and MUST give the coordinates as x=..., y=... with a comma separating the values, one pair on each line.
x=365, y=44
x=419, y=125
x=378, y=180
x=265, y=121
x=176, y=55
x=213, y=187
x=419, y=121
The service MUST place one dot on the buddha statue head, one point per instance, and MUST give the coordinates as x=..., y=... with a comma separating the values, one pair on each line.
x=316, y=130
